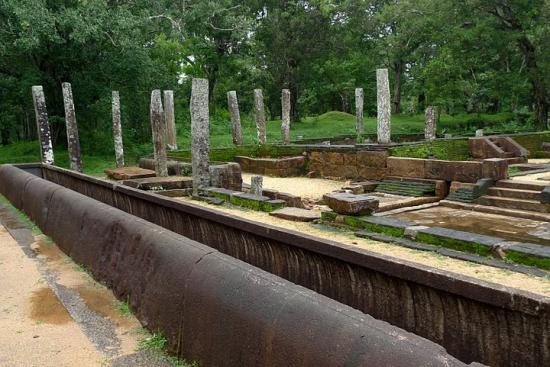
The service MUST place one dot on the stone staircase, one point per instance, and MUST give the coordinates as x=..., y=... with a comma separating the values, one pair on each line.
x=406, y=188
x=516, y=195
x=498, y=147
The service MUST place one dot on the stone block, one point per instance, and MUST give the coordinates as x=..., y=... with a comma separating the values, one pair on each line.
x=350, y=204
x=462, y=171
x=296, y=214
x=355, y=189
x=129, y=173
x=334, y=158
x=316, y=157
x=495, y=169
x=368, y=186
x=160, y=183
x=372, y=158
x=372, y=173
x=350, y=159
x=176, y=193
x=271, y=205
x=406, y=167
x=290, y=200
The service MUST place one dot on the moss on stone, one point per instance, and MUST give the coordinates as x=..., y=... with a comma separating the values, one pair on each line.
x=452, y=150
x=245, y=203
x=220, y=195
x=526, y=259
x=269, y=207
x=455, y=244
x=328, y=216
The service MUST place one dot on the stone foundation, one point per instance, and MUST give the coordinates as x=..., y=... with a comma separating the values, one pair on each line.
x=280, y=167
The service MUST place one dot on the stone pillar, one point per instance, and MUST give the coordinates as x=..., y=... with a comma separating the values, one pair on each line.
x=158, y=129
x=236, y=130
x=117, y=129
x=359, y=120
x=479, y=133
x=170, y=119
x=260, y=116
x=256, y=185
x=430, y=125
x=384, y=106
x=200, y=139
x=42, y=125
x=73, y=141
x=285, y=117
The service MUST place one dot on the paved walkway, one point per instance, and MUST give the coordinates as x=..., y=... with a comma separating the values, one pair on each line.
x=52, y=313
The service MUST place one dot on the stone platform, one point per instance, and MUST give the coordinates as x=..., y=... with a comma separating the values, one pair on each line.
x=129, y=173
x=161, y=183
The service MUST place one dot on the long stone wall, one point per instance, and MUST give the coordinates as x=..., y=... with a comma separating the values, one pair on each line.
x=474, y=320
x=212, y=308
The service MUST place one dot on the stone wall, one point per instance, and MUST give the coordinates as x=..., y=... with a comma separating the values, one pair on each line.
x=352, y=164
x=435, y=169
x=280, y=167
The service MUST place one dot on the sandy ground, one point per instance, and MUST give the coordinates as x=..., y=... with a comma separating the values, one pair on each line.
x=36, y=329
x=500, y=276
x=52, y=313
x=310, y=188
x=540, y=178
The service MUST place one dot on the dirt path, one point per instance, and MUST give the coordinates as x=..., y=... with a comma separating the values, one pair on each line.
x=310, y=188
x=52, y=313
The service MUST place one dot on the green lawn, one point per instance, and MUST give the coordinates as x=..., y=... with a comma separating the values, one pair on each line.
x=330, y=124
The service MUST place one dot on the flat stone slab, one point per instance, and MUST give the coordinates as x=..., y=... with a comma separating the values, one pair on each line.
x=162, y=183
x=350, y=204
x=296, y=214
x=129, y=173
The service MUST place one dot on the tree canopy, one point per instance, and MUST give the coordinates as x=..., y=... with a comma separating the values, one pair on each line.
x=463, y=56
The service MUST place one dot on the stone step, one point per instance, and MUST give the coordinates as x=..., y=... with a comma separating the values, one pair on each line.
x=296, y=214
x=514, y=193
x=511, y=203
x=521, y=185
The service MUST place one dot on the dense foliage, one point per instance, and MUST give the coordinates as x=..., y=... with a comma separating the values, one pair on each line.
x=464, y=56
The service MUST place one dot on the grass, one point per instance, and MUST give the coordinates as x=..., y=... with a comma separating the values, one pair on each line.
x=156, y=343
x=123, y=307
x=97, y=157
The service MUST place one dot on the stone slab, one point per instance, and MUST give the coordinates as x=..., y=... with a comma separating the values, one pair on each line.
x=164, y=183
x=350, y=204
x=406, y=167
x=372, y=158
x=462, y=171
x=129, y=173
x=296, y=214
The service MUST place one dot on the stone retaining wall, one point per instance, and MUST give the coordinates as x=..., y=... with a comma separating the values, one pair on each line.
x=280, y=167
x=211, y=307
x=429, y=302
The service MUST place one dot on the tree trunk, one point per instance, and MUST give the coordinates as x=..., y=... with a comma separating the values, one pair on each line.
x=540, y=93
x=398, y=69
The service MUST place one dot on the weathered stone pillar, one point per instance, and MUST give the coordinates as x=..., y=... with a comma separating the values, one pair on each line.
x=256, y=185
x=359, y=120
x=117, y=129
x=384, y=106
x=73, y=141
x=158, y=129
x=170, y=119
x=42, y=125
x=236, y=130
x=260, y=115
x=285, y=117
x=479, y=133
x=200, y=139
x=430, y=126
